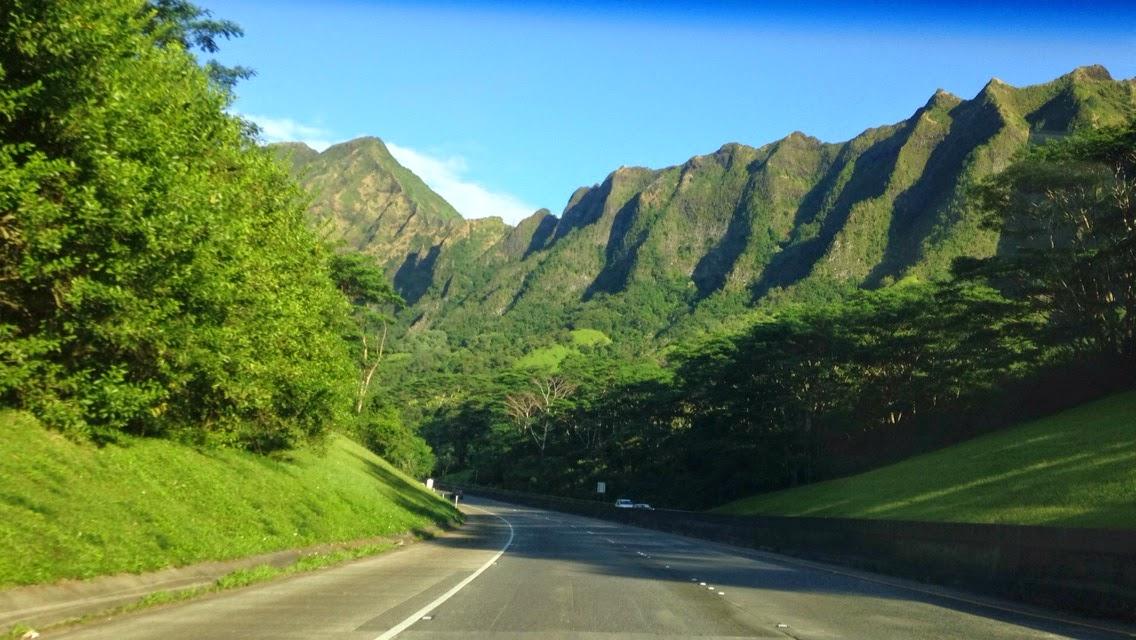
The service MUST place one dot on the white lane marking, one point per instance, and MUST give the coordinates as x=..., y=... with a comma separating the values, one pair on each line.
x=421, y=613
x=775, y=558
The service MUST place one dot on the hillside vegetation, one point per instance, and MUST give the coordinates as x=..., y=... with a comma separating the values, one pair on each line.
x=157, y=276
x=652, y=255
x=75, y=510
x=797, y=390
x=1075, y=468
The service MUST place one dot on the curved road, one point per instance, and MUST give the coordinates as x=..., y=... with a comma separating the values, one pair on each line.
x=563, y=576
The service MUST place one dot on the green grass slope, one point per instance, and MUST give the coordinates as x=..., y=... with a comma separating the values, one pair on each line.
x=1076, y=468
x=74, y=510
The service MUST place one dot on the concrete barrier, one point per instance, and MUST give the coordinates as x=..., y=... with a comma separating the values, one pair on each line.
x=1089, y=571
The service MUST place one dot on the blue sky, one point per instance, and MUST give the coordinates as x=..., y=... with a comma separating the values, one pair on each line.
x=506, y=107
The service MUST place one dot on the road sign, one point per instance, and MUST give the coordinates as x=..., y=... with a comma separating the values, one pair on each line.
x=601, y=487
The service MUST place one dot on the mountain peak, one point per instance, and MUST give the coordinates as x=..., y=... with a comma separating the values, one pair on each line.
x=1092, y=72
x=292, y=146
x=944, y=99
x=800, y=138
x=994, y=91
x=731, y=148
x=363, y=142
x=577, y=196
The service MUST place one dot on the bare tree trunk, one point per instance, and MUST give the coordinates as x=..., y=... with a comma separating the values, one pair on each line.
x=365, y=381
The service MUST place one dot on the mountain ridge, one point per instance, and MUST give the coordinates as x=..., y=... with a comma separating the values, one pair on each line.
x=644, y=250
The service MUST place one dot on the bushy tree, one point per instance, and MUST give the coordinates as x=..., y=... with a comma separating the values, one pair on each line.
x=156, y=276
x=366, y=287
x=1067, y=213
x=382, y=430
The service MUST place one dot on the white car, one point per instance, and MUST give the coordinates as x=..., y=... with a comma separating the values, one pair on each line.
x=624, y=503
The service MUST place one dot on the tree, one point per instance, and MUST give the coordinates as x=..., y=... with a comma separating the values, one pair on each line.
x=365, y=285
x=383, y=431
x=158, y=276
x=1067, y=213
x=181, y=23
x=532, y=410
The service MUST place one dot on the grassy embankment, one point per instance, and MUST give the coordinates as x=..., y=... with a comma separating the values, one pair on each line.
x=1076, y=468
x=73, y=510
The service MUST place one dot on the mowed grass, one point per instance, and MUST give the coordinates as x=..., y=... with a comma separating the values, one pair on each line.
x=589, y=337
x=548, y=358
x=545, y=359
x=74, y=510
x=1076, y=468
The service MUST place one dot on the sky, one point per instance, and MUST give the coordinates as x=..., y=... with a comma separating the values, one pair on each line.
x=509, y=106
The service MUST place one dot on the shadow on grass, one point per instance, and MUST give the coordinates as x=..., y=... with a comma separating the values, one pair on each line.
x=412, y=500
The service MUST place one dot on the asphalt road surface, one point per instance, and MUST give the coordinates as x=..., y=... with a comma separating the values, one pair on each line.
x=516, y=572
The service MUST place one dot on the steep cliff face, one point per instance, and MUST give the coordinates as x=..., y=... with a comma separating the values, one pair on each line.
x=365, y=199
x=647, y=250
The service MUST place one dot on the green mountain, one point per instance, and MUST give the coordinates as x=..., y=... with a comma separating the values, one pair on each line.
x=656, y=253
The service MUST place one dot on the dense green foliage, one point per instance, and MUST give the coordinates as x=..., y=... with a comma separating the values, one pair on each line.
x=1076, y=468
x=74, y=510
x=189, y=26
x=382, y=430
x=800, y=392
x=656, y=258
x=1067, y=214
x=767, y=407
x=156, y=276
x=377, y=426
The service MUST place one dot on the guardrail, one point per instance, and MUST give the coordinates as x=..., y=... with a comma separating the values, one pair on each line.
x=1090, y=571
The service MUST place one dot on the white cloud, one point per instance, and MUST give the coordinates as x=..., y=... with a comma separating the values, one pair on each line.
x=446, y=176
x=288, y=130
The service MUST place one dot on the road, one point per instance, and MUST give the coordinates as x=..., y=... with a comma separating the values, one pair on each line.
x=562, y=576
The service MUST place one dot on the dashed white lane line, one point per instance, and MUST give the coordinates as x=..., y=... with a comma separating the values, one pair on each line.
x=882, y=580
x=421, y=613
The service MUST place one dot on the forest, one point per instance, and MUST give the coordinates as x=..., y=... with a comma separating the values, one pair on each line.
x=846, y=381
x=158, y=274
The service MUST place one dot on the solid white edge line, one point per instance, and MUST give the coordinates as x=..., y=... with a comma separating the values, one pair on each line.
x=417, y=615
